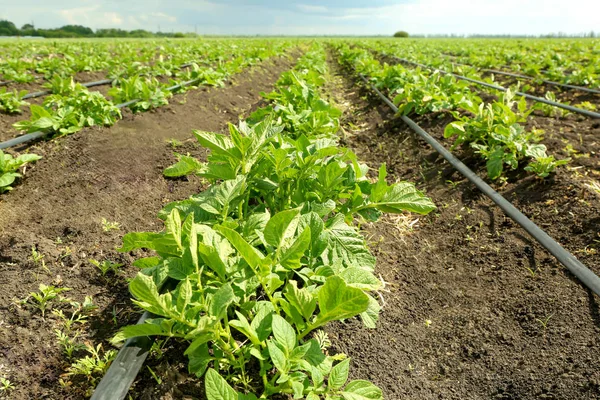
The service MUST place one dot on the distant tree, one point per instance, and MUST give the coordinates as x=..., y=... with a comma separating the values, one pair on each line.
x=27, y=27
x=7, y=28
x=401, y=34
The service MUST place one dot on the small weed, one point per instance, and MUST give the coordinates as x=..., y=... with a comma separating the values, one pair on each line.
x=106, y=266
x=45, y=295
x=108, y=226
x=174, y=143
x=5, y=385
x=36, y=256
x=93, y=365
x=544, y=322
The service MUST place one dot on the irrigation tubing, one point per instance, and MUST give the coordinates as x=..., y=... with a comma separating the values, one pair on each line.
x=588, y=113
x=88, y=84
x=531, y=78
x=124, y=368
x=38, y=135
x=585, y=275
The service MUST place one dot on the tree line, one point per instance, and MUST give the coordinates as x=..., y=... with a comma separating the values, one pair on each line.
x=7, y=28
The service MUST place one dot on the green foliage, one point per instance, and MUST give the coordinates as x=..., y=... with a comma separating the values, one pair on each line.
x=11, y=102
x=70, y=113
x=269, y=252
x=148, y=91
x=9, y=166
x=43, y=298
x=106, y=266
x=401, y=34
x=493, y=129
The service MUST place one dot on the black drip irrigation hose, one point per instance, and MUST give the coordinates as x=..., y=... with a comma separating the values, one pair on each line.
x=585, y=275
x=38, y=135
x=587, y=113
x=531, y=78
x=124, y=368
x=5, y=83
x=88, y=84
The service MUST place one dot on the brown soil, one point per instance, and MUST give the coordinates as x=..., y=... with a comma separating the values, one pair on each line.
x=475, y=308
x=58, y=209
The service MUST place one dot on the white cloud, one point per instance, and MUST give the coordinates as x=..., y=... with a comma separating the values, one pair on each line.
x=312, y=9
x=113, y=18
x=161, y=15
x=79, y=15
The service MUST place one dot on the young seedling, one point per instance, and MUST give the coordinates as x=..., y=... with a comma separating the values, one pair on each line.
x=93, y=365
x=36, y=256
x=69, y=345
x=108, y=226
x=5, y=385
x=45, y=295
x=106, y=266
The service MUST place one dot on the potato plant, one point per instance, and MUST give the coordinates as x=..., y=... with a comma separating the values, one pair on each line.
x=269, y=253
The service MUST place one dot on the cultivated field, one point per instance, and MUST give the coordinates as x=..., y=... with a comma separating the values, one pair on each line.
x=278, y=218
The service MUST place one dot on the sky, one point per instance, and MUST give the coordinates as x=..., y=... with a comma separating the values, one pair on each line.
x=312, y=17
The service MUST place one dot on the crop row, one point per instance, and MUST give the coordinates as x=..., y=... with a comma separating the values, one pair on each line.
x=24, y=62
x=73, y=107
x=574, y=62
x=494, y=129
x=270, y=252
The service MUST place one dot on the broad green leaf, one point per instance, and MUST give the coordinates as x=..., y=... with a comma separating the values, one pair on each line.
x=339, y=375
x=138, y=330
x=346, y=245
x=360, y=278
x=144, y=290
x=362, y=390
x=139, y=240
x=217, y=388
x=221, y=299
x=185, y=166
x=371, y=315
x=404, y=196
x=301, y=299
x=494, y=163
x=250, y=254
x=339, y=301
x=281, y=226
x=284, y=333
x=278, y=357
x=290, y=258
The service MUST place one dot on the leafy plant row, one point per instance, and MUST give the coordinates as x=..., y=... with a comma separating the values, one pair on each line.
x=72, y=106
x=269, y=253
x=21, y=62
x=493, y=129
x=574, y=62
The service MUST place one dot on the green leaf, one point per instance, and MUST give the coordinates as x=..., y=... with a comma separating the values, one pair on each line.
x=281, y=227
x=221, y=299
x=145, y=291
x=371, y=315
x=278, y=357
x=185, y=166
x=339, y=301
x=138, y=330
x=284, y=333
x=217, y=388
x=360, y=278
x=339, y=375
x=139, y=240
x=290, y=258
x=362, y=390
x=346, y=245
x=250, y=254
x=301, y=299
x=494, y=163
